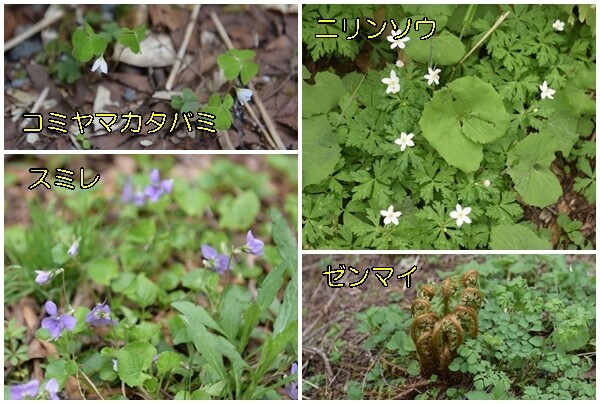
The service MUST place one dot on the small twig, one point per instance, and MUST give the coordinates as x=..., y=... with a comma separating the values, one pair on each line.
x=36, y=106
x=410, y=388
x=34, y=29
x=315, y=350
x=91, y=384
x=183, y=47
x=274, y=140
x=224, y=140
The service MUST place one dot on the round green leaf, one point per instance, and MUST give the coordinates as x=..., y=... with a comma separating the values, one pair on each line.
x=133, y=361
x=516, y=237
x=102, y=270
x=249, y=70
x=167, y=361
x=324, y=153
x=461, y=117
x=448, y=49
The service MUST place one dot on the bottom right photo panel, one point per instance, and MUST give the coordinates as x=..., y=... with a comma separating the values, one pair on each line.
x=449, y=326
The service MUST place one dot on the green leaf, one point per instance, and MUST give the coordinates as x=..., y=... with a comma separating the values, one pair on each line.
x=288, y=311
x=234, y=301
x=132, y=38
x=447, y=48
x=87, y=44
x=240, y=212
x=530, y=160
x=167, y=361
x=516, y=237
x=460, y=118
x=236, y=62
x=221, y=110
x=323, y=96
x=193, y=201
x=285, y=241
x=270, y=286
x=197, y=314
x=143, y=291
x=213, y=348
x=133, y=361
x=102, y=270
x=318, y=137
x=187, y=102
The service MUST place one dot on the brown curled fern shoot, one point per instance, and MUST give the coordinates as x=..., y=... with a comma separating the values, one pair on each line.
x=437, y=338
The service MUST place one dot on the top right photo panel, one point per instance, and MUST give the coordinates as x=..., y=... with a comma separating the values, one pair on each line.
x=447, y=127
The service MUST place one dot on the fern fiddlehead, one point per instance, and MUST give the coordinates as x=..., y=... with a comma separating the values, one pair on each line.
x=437, y=338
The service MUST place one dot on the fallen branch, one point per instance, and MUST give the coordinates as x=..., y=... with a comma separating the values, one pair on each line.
x=183, y=47
x=34, y=29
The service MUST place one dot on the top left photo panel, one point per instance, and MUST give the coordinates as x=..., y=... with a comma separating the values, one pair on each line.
x=151, y=77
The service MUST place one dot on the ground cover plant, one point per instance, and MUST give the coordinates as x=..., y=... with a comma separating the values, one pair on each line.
x=478, y=136
x=169, y=278
x=535, y=329
x=176, y=76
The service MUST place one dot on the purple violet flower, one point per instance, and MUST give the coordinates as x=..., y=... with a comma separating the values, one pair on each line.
x=23, y=391
x=55, y=323
x=52, y=389
x=254, y=245
x=218, y=262
x=292, y=388
x=43, y=277
x=129, y=195
x=157, y=187
x=74, y=248
x=100, y=315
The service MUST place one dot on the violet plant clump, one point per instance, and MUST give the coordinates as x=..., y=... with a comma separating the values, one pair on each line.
x=176, y=311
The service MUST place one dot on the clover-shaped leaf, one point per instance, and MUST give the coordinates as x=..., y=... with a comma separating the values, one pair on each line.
x=238, y=62
x=132, y=38
x=187, y=102
x=460, y=118
x=221, y=110
x=87, y=44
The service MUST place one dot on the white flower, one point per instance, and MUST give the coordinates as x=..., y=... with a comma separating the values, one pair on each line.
x=461, y=215
x=393, y=83
x=399, y=64
x=243, y=95
x=558, y=25
x=547, y=91
x=433, y=76
x=405, y=141
x=487, y=183
x=390, y=216
x=100, y=63
x=400, y=42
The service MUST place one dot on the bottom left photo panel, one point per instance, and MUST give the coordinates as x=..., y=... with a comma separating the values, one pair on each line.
x=157, y=277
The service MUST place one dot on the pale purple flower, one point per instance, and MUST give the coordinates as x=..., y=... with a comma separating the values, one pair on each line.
x=129, y=195
x=43, y=277
x=254, y=245
x=74, y=248
x=218, y=262
x=55, y=323
x=292, y=388
x=24, y=391
x=157, y=187
x=114, y=362
x=52, y=389
x=100, y=315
